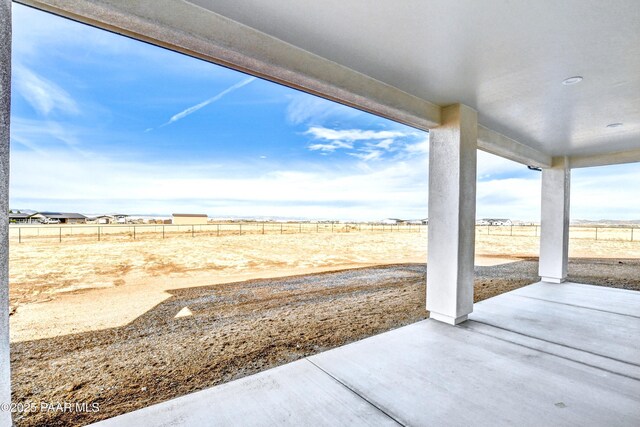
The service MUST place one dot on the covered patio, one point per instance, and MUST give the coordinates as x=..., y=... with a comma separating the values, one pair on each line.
x=554, y=86
x=544, y=354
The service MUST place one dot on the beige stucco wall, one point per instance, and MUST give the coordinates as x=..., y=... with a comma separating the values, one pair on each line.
x=182, y=220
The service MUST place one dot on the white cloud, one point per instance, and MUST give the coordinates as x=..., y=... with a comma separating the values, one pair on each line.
x=385, y=144
x=63, y=180
x=330, y=146
x=368, y=145
x=181, y=115
x=43, y=95
x=418, y=148
x=607, y=192
x=490, y=165
x=368, y=155
x=514, y=198
x=320, y=132
x=51, y=178
x=44, y=135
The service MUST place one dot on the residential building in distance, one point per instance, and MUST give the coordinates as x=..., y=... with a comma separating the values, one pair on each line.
x=59, y=218
x=189, y=219
x=20, y=218
x=494, y=221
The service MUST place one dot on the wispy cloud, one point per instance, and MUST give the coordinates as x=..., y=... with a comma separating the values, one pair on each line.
x=182, y=114
x=368, y=155
x=369, y=145
x=330, y=146
x=42, y=135
x=307, y=109
x=353, y=134
x=137, y=186
x=43, y=95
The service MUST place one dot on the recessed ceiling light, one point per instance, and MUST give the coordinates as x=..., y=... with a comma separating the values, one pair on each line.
x=572, y=80
x=614, y=125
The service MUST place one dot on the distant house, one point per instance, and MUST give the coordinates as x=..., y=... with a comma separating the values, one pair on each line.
x=20, y=218
x=60, y=218
x=392, y=221
x=111, y=219
x=496, y=221
x=105, y=219
x=121, y=218
x=418, y=221
x=189, y=219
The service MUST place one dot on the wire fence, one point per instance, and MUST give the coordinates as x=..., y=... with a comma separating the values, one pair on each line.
x=130, y=232
x=610, y=233
x=64, y=233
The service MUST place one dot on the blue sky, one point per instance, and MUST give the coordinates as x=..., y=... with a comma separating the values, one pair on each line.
x=102, y=123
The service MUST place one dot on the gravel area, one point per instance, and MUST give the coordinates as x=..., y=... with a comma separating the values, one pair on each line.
x=238, y=329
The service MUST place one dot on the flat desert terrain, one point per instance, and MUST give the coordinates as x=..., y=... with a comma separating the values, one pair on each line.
x=129, y=323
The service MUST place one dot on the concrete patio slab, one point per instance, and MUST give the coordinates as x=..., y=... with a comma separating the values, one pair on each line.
x=295, y=394
x=604, y=333
x=619, y=301
x=432, y=374
x=558, y=355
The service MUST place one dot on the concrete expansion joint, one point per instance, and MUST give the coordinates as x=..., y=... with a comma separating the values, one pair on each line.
x=564, y=346
x=550, y=353
x=355, y=392
x=576, y=305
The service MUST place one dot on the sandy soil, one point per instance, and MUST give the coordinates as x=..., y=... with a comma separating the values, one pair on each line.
x=96, y=322
x=70, y=287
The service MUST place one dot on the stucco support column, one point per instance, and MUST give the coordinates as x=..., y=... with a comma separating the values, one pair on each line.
x=5, y=104
x=554, y=225
x=452, y=214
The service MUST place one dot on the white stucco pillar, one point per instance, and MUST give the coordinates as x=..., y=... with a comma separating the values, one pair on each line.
x=554, y=226
x=5, y=104
x=452, y=214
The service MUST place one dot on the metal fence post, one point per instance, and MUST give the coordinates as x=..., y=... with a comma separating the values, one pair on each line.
x=60, y=236
x=98, y=234
x=512, y=230
x=632, y=234
x=263, y=228
x=280, y=228
x=596, y=233
x=163, y=231
x=134, y=232
x=19, y=235
x=192, y=231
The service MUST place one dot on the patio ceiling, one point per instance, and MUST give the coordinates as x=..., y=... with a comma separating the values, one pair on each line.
x=506, y=59
x=404, y=60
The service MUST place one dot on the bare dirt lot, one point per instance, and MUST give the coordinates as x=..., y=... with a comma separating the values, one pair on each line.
x=96, y=322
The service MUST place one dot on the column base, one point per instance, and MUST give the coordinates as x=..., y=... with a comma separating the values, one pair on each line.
x=447, y=319
x=553, y=279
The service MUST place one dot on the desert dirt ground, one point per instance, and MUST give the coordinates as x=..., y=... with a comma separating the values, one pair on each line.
x=96, y=321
